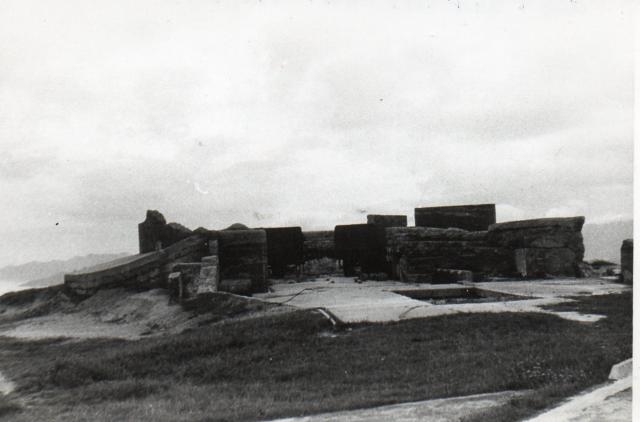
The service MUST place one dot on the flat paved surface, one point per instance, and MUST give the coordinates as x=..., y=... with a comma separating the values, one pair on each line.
x=377, y=301
x=439, y=410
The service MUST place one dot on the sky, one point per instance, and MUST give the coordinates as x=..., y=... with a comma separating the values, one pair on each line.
x=311, y=113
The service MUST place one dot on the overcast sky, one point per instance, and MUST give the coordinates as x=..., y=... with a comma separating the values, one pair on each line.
x=308, y=113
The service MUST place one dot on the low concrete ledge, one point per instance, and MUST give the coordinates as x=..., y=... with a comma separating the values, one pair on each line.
x=569, y=223
x=621, y=370
x=139, y=271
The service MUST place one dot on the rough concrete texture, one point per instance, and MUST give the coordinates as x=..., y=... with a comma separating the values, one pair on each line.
x=141, y=270
x=154, y=233
x=552, y=246
x=208, y=279
x=438, y=410
x=150, y=231
x=467, y=217
x=378, y=301
x=243, y=255
x=538, y=262
x=189, y=273
x=416, y=253
x=383, y=220
x=239, y=286
x=621, y=370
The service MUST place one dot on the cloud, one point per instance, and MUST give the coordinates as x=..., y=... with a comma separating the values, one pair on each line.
x=306, y=113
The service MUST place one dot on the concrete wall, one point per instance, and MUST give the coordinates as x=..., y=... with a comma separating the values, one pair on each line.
x=361, y=245
x=243, y=255
x=318, y=244
x=142, y=271
x=285, y=246
x=319, y=253
x=467, y=217
x=417, y=254
x=387, y=220
x=545, y=246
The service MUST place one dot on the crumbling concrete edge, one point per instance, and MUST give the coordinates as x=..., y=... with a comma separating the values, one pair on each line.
x=572, y=406
x=621, y=370
x=335, y=321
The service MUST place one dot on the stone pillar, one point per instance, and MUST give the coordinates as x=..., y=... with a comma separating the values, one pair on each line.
x=209, y=277
x=151, y=231
x=626, y=261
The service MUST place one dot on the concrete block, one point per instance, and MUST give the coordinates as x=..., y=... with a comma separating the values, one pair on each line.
x=626, y=261
x=242, y=286
x=208, y=279
x=210, y=260
x=381, y=220
x=540, y=262
x=467, y=217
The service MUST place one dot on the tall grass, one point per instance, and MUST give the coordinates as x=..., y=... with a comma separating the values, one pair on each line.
x=296, y=364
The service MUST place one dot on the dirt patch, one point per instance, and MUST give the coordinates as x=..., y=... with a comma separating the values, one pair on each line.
x=119, y=313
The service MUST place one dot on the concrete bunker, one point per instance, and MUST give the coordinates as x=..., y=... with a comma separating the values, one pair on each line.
x=464, y=246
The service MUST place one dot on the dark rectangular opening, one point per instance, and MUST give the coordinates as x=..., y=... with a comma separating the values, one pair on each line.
x=458, y=296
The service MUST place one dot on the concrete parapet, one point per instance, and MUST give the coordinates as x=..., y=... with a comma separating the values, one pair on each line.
x=467, y=217
x=142, y=271
x=384, y=220
x=545, y=246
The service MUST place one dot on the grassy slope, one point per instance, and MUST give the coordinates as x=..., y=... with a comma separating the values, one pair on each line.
x=295, y=364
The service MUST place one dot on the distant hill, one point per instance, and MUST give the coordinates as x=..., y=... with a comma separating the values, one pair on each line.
x=40, y=274
x=603, y=241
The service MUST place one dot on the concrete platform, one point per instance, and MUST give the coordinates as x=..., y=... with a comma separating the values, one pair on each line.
x=438, y=410
x=376, y=301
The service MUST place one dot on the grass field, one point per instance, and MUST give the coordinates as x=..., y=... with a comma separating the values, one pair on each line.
x=297, y=363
